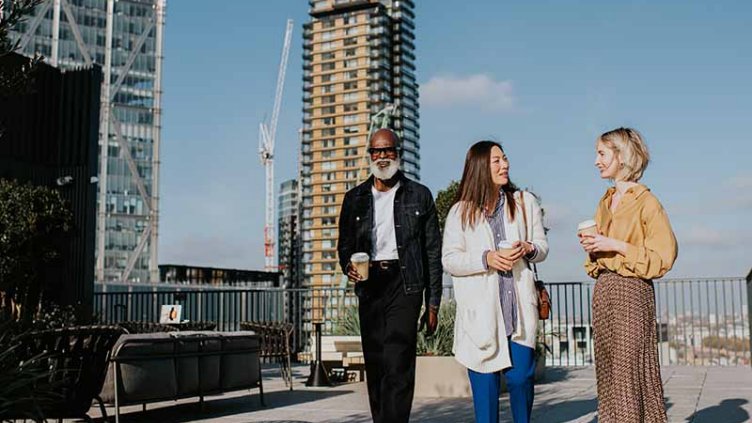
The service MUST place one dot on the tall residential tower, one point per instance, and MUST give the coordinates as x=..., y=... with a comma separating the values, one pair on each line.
x=125, y=38
x=358, y=59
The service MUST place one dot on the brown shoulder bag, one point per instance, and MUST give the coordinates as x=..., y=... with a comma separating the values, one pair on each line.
x=544, y=299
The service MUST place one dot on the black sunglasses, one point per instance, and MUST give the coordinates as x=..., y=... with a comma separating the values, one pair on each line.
x=386, y=150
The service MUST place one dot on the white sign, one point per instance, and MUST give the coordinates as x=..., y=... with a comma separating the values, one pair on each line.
x=170, y=313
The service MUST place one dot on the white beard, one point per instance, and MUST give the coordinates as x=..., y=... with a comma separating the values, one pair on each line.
x=386, y=173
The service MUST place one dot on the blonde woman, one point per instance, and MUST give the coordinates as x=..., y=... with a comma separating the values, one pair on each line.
x=497, y=315
x=634, y=245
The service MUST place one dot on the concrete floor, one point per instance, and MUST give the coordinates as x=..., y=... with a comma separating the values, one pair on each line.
x=693, y=394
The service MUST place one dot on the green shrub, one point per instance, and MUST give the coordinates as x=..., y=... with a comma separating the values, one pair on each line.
x=348, y=321
x=34, y=221
x=440, y=343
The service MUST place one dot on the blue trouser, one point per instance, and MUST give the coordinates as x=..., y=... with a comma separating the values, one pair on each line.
x=519, y=380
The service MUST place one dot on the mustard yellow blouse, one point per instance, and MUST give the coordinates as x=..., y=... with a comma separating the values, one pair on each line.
x=641, y=222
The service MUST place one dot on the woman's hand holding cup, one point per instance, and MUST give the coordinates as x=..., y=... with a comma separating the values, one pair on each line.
x=505, y=256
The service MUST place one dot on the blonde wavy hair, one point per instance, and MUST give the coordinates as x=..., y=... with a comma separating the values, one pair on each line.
x=631, y=151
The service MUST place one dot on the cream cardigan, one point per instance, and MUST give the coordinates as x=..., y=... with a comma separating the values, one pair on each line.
x=480, y=341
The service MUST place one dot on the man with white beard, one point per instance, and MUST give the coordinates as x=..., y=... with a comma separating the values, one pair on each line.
x=393, y=220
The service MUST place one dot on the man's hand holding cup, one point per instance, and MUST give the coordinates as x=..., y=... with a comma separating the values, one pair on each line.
x=357, y=269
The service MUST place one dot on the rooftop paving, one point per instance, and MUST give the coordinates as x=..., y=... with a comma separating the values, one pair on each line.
x=693, y=394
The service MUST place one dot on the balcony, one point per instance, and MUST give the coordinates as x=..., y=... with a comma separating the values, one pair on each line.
x=703, y=380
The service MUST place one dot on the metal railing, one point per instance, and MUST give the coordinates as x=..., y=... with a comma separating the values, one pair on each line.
x=228, y=307
x=698, y=321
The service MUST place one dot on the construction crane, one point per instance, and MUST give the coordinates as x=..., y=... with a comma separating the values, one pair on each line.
x=267, y=132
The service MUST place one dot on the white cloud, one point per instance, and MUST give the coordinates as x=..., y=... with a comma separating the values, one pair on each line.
x=477, y=90
x=559, y=216
x=741, y=195
x=707, y=237
x=741, y=182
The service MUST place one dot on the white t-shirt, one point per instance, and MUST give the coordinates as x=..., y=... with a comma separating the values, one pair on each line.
x=383, y=237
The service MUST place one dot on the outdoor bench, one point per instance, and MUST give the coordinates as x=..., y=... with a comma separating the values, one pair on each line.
x=154, y=367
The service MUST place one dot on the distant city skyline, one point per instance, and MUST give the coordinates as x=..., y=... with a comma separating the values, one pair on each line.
x=543, y=81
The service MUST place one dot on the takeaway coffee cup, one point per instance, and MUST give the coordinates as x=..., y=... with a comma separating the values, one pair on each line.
x=505, y=247
x=587, y=227
x=361, y=262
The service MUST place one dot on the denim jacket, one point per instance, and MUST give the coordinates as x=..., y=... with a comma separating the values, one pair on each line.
x=416, y=228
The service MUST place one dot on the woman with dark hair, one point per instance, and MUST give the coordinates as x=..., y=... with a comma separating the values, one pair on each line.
x=492, y=233
x=634, y=245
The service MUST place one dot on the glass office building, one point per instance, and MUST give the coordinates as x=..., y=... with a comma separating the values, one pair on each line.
x=125, y=38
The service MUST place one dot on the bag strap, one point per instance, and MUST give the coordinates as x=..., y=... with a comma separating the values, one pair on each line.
x=524, y=220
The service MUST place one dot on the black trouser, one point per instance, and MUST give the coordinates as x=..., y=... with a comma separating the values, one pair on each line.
x=388, y=328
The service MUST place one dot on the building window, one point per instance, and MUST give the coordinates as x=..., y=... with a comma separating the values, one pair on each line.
x=352, y=63
x=327, y=66
x=351, y=74
x=351, y=152
x=351, y=163
x=328, y=45
x=329, y=221
x=329, y=176
x=329, y=165
x=349, y=20
x=328, y=154
x=329, y=110
x=350, y=96
x=350, y=85
x=351, y=130
x=351, y=41
x=326, y=89
x=327, y=267
x=328, y=35
x=328, y=78
x=328, y=99
x=351, y=140
x=349, y=119
x=351, y=52
x=327, y=143
x=328, y=199
x=328, y=132
x=351, y=107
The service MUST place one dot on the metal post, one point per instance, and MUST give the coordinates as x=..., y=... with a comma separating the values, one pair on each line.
x=318, y=376
x=749, y=308
x=55, y=33
x=104, y=139
x=156, y=137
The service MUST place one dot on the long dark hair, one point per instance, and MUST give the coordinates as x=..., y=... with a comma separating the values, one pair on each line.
x=477, y=188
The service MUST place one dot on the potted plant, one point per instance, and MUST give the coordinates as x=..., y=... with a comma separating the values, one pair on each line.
x=437, y=373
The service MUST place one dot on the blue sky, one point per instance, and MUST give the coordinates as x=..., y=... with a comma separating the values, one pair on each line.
x=545, y=78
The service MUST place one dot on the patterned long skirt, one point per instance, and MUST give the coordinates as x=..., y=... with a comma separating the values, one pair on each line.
x=626, y=351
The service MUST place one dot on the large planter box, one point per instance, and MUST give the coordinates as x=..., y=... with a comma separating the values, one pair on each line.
x=441, y=377
x=444, y=377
